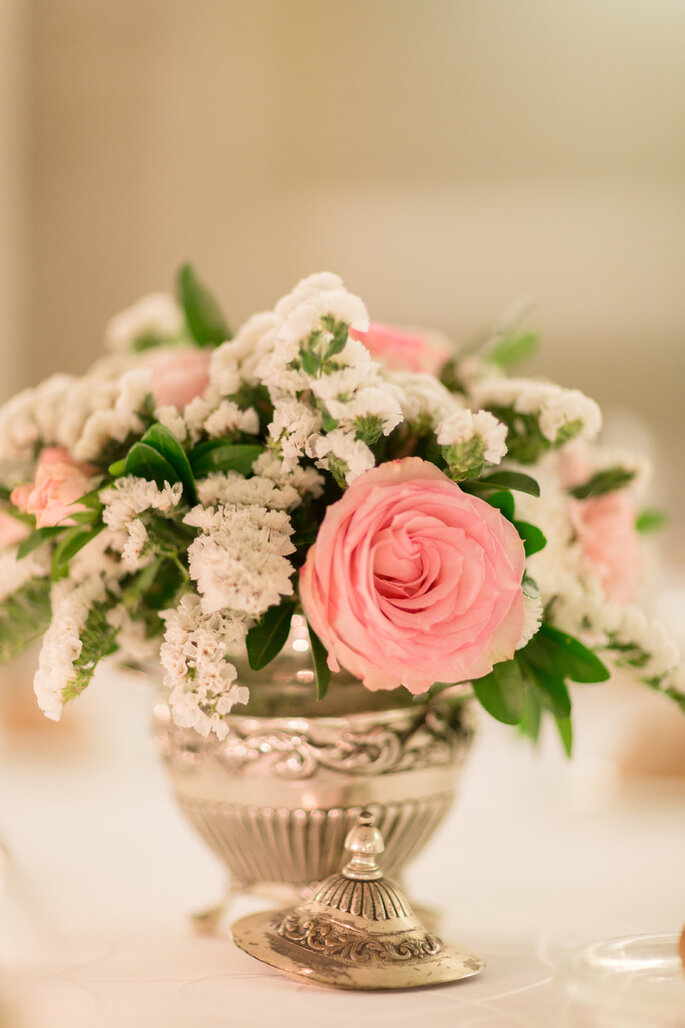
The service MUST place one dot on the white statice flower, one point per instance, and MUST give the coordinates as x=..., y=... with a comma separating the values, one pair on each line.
x=463, y=425
x=306, y=481
x=172, y=419
x=101, y=557
x=119, y=421
x=532, y=612
x=299, y=315
x=242, y=354
x=137, y=551
x=301, y=310
x=639, y=637
x=422, y=398
x=52, y=397
x=239, y=562
x=201, y=681
x=293, y=424
x=375, y=402
x=14, y=573
x=340, y=449
x=554, y=406
x=129, y=496
x=559, y=569
x=229, y=417
x=132, y=640
x=224, y=489
x=19, y=430
x=156, y=316
x=71, y=605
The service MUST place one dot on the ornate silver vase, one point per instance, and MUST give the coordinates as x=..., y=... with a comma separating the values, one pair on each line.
x=276, y=799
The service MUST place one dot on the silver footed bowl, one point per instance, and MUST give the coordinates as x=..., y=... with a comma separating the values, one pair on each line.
x=276, y=799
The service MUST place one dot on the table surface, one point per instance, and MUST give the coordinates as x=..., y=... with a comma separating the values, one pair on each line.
x=537, y=859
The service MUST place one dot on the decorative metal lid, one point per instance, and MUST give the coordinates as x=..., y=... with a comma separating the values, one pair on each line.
x=358, y=930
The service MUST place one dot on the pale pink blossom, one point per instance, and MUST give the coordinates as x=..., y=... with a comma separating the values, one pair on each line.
x=179, y=374
x=59, y=482
x=605, y=527
x=402, y=349
x=413, y=581
x=12, y=531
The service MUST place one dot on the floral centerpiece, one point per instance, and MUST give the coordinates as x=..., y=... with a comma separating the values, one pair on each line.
x=434, y=519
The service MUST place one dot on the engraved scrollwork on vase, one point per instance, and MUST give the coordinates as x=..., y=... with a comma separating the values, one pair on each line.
x=371, y=751
x=343, y=943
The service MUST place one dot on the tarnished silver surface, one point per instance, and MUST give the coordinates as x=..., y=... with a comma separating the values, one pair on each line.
x=358, y=930
x=276, y=799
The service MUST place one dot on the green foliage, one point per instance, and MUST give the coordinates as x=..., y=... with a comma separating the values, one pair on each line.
x=504, y=502
x=650, y=520
x=266, y=639
x=533, y=539
x=24, y=616
x=223, y=455
x=320, y=658
x=515, y=480
x=69, y=545
x=339, y=331
x=145, y=461
x=502, y=692
x=604, y=481
x=37, y=538
x=204, y=318
x=510, y=350
x=555, y=652
x=465, y=460
x=98, y=640
x=167, y=446
x=517, y=691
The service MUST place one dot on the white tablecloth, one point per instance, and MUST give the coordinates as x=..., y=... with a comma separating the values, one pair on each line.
x=537, y=859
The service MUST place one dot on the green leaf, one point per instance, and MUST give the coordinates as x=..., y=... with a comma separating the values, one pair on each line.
x=553, y=692
x=145, y=462
x=118, y=468
x=604, y=481
x=504, y=502
x=533, y=539
x=205, y=320
x=502, y=692
x=98, y=640
x=24, y=616
x=266, y=639
x=168, y=446
x=531, y=717
x=514, y=349
x=68, y=547
x=220, y=455
x=512, y=480
x=650, y=519
x=37, y=538
x=565, y=727
x=320, y=657
x=559, y=654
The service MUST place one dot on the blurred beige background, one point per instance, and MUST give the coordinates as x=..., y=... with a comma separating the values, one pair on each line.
x=445, y=156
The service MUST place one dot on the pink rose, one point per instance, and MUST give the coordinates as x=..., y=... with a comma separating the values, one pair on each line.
x=11, y=530
x=605, y=526
x=179, y=374
x=412, y=581
x=401, y=350
x=59, y=482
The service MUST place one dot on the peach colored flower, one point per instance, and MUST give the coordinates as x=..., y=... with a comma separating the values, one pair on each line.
x=412, y=581
x=403, y=350
x=59, y=482
x=11, y=530
x=179, y=374
x=605, y=527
